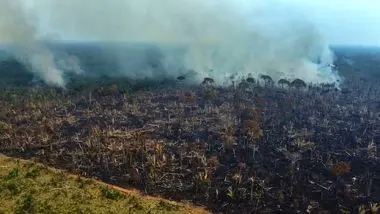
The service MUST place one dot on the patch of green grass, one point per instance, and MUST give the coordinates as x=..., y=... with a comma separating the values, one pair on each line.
x=25, y=205
x=110, y=193
x=11, y=187
x=12, y=174
x=34, y=172
x=28, y=187
x=169, y=207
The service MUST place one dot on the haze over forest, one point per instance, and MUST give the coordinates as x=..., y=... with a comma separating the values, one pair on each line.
x=283, y=39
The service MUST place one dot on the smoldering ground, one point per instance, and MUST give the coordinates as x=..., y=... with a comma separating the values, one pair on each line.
x=217, y=39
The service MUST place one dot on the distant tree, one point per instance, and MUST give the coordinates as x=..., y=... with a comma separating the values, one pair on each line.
x=250, y=80
x=208, y=81
x=182, y=77
x=232, y=79
x=298, y=83
x=267, y=79
x=284, y=82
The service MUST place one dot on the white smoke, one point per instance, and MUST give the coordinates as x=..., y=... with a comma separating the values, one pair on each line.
x=220, y=38
x=18, y=31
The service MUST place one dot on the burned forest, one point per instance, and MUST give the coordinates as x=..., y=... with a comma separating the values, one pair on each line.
x=257, y=146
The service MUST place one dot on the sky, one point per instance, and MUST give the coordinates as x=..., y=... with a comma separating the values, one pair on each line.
x=341, y=22
x=355, y=22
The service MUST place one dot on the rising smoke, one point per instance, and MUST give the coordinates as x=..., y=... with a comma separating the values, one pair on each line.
x=214, y=38
x=18, y=32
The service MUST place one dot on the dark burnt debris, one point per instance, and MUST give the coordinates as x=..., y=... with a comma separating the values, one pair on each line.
x=258, y=148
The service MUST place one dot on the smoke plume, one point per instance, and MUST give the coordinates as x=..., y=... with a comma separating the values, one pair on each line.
x=18, y=32
x=215, y=38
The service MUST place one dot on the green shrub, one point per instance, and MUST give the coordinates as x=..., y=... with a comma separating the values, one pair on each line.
x=26, y=205
x=110, y=193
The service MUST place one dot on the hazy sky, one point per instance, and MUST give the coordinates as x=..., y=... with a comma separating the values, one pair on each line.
x=347, y=21
x=354, y=22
